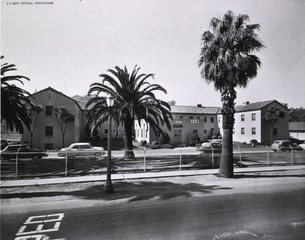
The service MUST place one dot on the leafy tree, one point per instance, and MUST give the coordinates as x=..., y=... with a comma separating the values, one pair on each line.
x=297, y=115
x=64, y=117
x=193, y=138
x=134, y=100
x=227, y=59
x=272, y=114
x=14, y=100
x=33, y=114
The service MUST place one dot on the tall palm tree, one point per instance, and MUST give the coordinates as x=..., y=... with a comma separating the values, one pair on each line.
x=14, y=100
x=272, y=114
x=134, y=100
x=227, y=59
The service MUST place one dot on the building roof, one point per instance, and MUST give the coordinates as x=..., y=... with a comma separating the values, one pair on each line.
x=297, y=126
x=194, y=109
x=52, y=89
x=253, y=106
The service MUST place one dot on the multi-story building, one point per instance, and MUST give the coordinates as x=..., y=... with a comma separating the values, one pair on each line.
x=199, y=119
x=186, y=120
x=47, y=134
x=250, y=124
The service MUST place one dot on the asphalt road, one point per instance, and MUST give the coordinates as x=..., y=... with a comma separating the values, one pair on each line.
x=219, y=209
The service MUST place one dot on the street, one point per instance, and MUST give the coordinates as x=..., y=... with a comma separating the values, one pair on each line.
x=258, y=206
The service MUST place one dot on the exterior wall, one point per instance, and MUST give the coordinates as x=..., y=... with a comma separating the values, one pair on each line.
x=247, y=126
x=182, y=125
x=262, y=127
x=50, y=97
x=117, y=131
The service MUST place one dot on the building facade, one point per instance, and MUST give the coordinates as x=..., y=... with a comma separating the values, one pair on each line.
x=47, y=134
x=250, y=124
x=186, y=120
x=297, y=130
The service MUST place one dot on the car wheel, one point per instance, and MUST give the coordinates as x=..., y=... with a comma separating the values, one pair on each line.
x=97, y=155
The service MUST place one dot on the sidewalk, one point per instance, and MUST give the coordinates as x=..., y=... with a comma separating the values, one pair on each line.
x=142, y=175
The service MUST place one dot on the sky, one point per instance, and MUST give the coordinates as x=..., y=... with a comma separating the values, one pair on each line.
x=67, y=44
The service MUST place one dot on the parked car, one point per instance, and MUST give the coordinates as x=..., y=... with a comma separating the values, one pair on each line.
x=209, y=147
x=302, y=146
x=285, y=145
x=81, y=150
x=23, y=151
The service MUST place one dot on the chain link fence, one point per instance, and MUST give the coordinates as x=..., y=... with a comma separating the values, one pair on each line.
x=145, y=160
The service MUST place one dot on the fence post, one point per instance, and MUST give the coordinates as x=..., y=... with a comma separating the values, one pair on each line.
x=291, y=155
x=17, y=163
x=240, y=162
x=212, y=156
x=268, y=159
x=144, y=159
x=66, y=164
x=180, y=158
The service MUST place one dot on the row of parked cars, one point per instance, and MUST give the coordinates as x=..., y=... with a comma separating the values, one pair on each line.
x=12, y=151
x=277, y=146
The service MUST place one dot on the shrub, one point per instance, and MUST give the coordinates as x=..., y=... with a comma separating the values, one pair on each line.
x=164, y=138
x=193, y=139
x=143, y=143
x=169, y=146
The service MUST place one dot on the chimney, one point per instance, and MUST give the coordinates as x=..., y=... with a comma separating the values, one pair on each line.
x=199, y=105
x=246, y=103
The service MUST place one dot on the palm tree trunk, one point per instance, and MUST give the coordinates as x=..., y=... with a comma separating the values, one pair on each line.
x=226, y=162
x=228, y=97
x=129, y=154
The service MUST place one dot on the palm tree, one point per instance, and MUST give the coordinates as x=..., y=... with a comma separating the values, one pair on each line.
x=227, y=59
x=134, y=100
x=272, y=114
x=14, y=100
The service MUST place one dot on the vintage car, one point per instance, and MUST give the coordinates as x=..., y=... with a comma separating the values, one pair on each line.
x=21, y=151
x=81, y=150
x=209, y=147
x=285, y=145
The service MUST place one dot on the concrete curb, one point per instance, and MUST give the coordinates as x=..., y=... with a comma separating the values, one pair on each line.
x=143, y=175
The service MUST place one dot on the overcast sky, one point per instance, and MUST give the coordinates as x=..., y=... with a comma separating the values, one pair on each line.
x=67, y=45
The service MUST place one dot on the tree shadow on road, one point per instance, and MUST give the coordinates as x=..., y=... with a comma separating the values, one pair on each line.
x=268, y=175
x=130, y=191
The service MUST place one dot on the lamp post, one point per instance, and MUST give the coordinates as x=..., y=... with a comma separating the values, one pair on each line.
x=108, y=185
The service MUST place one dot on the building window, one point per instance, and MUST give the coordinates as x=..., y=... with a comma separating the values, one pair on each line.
x=49, y=131
x=253, y=116
x=191, y=117
x=242, y=117
x=205, y=119
x=49, y=111
x=194, y=120
x=181, y=117
x=195, y=131
x=212, y=130
x=205, y=131
x=274, y=131
x=253, y=131
x=242, y=130
x=212, y=119
x=106, y=131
